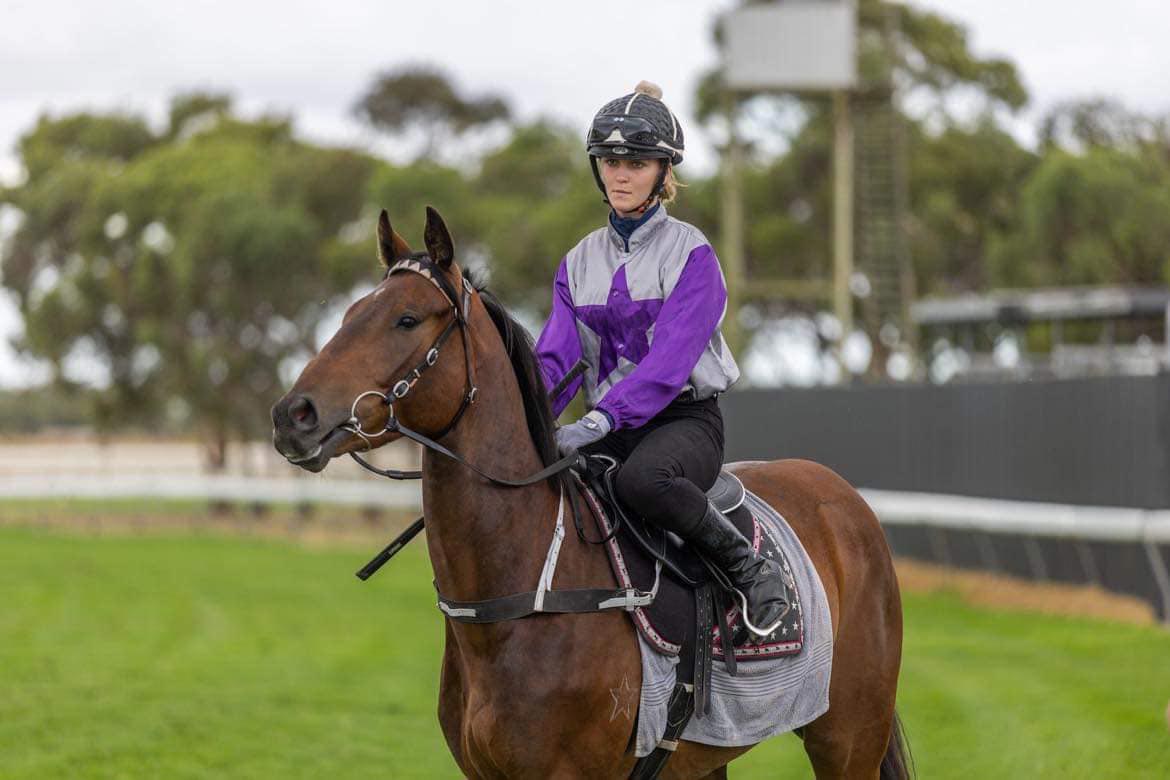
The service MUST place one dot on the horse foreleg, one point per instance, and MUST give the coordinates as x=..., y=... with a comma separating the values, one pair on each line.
x=451, y=698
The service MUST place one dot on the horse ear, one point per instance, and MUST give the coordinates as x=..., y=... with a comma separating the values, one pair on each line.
x=438, y=240
x=391, y=247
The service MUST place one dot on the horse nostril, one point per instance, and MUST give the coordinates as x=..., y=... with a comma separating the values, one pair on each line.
x=303, y=414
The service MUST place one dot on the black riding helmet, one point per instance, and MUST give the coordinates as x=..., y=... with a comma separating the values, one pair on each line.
x=637, y=126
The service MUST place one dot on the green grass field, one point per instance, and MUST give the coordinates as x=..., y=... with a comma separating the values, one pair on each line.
x=193, y=656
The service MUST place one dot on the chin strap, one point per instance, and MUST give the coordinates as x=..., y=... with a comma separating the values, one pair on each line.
x=656, y=190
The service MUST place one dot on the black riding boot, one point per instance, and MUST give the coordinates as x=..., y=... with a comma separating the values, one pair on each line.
x=758, y=579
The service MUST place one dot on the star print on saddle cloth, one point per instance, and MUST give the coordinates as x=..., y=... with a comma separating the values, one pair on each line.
x=625, y=700
x=620, y=324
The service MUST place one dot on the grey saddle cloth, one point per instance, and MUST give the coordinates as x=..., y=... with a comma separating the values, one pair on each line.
x=767, y=697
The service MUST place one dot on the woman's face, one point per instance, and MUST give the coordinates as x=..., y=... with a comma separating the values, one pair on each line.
x=628, y=182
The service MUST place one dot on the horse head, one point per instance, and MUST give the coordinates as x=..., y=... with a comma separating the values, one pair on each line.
x=383, y=364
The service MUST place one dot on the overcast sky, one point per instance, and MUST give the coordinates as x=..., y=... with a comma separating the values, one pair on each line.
x=558, y=59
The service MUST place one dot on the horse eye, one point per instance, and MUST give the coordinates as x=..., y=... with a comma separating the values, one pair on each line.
x=407, y=322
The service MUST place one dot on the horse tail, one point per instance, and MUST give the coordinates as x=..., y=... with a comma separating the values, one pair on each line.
x=898, y=763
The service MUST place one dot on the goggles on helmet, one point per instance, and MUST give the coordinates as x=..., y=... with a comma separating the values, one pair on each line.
x=617, y=130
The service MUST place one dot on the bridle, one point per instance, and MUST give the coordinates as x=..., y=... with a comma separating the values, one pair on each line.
x=424, y=266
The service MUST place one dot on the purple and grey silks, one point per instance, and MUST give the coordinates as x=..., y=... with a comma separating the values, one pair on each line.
x=645, y=319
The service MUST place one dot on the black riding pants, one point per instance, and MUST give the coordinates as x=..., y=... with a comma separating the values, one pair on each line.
x=669, y=463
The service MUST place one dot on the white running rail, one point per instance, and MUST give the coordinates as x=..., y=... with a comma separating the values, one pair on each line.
x=264, y=490
x=1148, y=528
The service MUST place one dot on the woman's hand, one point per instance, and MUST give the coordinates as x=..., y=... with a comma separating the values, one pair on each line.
x=590, y=428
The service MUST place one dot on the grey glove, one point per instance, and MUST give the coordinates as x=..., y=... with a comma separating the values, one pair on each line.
x=590, y=428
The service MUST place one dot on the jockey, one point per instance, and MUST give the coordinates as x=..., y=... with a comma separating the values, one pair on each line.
x=641, y=300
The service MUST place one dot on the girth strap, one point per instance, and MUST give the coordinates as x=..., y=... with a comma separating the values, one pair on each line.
x=519, y=605
x=544, y=599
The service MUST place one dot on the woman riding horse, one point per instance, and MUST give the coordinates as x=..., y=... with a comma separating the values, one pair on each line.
x=641, y=300
x=429, y=355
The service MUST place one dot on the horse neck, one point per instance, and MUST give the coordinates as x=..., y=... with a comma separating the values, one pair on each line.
x=486, y=540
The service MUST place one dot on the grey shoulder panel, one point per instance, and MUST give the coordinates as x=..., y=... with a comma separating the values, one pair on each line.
x=585, y=248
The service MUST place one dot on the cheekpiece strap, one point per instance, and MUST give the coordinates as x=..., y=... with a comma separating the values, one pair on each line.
x=425, y=267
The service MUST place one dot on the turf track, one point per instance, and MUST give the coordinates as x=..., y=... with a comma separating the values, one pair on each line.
x=191, y=656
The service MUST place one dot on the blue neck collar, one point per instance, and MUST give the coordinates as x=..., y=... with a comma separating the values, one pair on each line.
x=625, y=227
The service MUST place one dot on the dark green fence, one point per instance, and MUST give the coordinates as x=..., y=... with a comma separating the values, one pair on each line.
x=1102, y=441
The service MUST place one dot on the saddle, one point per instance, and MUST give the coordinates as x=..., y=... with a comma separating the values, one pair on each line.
x=693, y=614
x=646, y=557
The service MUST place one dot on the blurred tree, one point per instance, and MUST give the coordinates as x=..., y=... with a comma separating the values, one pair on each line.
x=930, y=54
x=789, y=200
x=1101, y=122
x=37, y=409
x=964, y=196
x=535, y=200
x=190, y=266
x=408, y=189
x=530, y=201
x=1093, y=218
x=422, y=100
x=110, y=139
x=195, y=111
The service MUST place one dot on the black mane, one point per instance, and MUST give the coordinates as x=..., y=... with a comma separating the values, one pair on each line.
x=518, y=342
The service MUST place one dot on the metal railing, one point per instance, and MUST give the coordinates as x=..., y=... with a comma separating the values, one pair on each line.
x=226, y=489
x=1052, y=542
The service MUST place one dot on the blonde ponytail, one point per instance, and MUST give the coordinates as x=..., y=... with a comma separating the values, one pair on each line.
x=670, y=186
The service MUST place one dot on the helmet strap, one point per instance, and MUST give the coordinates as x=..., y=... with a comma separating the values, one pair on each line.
x=656, y=190
x=597, y=178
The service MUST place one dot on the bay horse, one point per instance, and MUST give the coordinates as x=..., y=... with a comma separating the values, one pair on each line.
x=538, y=697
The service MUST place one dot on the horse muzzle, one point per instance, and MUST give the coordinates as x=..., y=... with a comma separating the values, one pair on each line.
x=297, y=433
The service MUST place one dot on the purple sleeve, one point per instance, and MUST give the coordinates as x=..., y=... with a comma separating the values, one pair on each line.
x=559, y=347
x=688, y=319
